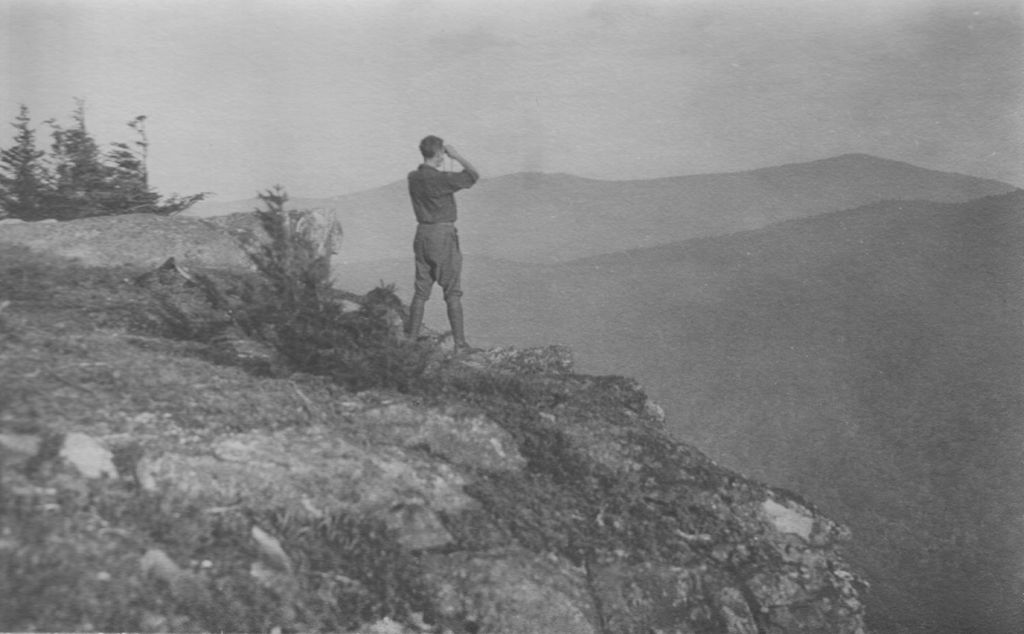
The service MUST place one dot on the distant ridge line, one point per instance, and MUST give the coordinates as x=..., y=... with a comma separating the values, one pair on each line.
x=847, y=157
x=538, y=217
x=867, y=208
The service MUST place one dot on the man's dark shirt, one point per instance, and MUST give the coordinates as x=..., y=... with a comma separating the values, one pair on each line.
x=432, y=193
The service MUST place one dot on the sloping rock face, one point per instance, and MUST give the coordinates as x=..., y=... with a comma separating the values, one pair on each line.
x=139, y=239
x=148, y=240
x=520, y=498
x=145, y=488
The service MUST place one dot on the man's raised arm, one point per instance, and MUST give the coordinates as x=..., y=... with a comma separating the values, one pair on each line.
x=466, y=165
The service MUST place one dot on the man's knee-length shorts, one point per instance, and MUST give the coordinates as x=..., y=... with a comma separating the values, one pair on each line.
x=438, y=259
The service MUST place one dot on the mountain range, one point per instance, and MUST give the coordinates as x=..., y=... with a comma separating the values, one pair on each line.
x=850, y=328
x=543, y=218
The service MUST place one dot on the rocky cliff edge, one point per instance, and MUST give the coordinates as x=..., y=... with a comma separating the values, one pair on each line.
x=147, y=488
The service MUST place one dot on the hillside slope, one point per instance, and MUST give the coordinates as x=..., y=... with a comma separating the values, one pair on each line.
x=556, y=218
x=148, y=484
x=871, y=358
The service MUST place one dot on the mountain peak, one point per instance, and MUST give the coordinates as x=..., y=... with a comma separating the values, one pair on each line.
x=858, y=156
x=862, y=161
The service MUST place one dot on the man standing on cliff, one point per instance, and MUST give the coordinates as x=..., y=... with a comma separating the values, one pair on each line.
x=436, y=246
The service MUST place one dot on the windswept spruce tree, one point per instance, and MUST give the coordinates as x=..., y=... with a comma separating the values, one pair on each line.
x=77, y=178
x=23, y=177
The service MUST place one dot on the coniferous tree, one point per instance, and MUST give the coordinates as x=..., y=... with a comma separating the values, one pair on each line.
x=76, y=179
x=80, y=178
x=128, y=178
x=23, y=177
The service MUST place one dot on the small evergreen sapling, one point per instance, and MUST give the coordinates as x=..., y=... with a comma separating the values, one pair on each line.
x=304, y=316
x=289, y=260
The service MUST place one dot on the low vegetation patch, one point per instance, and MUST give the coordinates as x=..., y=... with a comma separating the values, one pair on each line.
x=293, y=308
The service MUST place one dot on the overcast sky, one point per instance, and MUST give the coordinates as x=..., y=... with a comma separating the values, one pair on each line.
x=331, y=97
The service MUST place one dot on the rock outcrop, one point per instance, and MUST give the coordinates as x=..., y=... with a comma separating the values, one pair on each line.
x=148, y=240
x=144, y=488
x=568, y=511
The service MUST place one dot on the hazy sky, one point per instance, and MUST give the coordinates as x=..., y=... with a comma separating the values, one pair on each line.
x=330, y=97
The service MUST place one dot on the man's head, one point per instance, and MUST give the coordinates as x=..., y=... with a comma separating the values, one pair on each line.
x=432, y=147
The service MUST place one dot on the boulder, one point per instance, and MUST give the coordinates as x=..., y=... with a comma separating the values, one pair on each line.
x=148, y=240
x=143, y=240
x=88, y=456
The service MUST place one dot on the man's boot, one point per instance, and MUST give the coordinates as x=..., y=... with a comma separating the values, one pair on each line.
x=416, y=309
x=458, y=328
